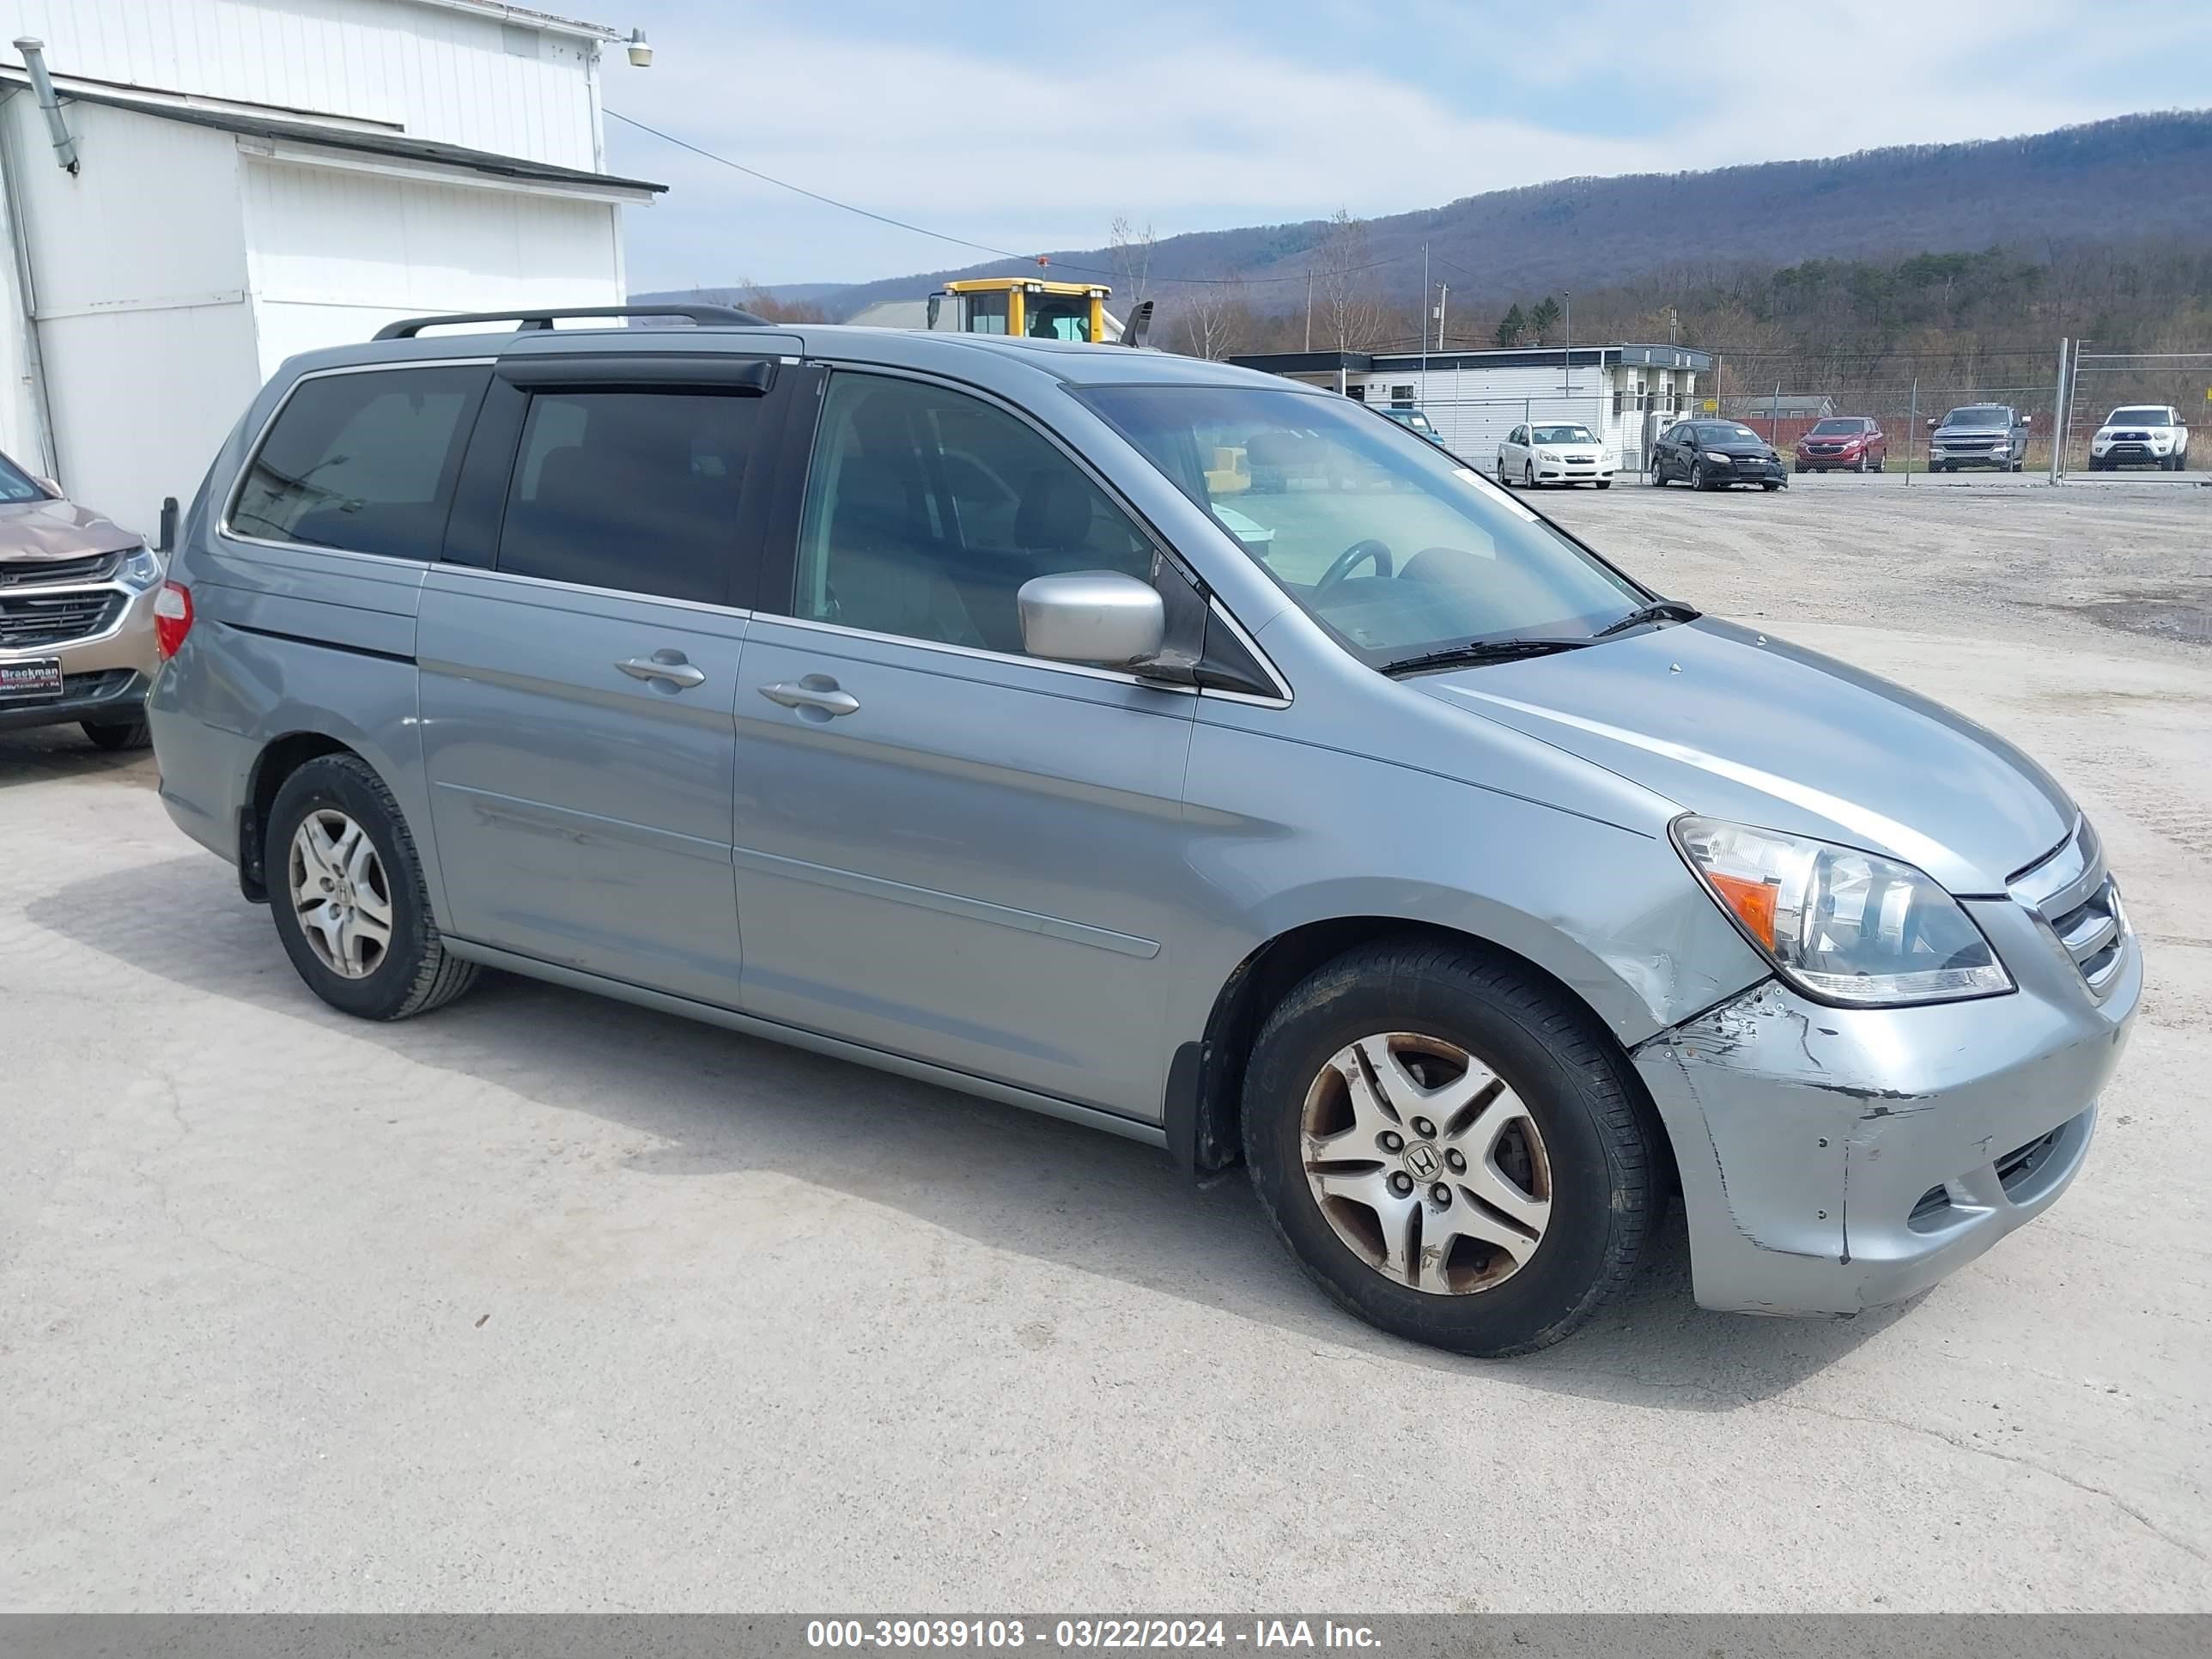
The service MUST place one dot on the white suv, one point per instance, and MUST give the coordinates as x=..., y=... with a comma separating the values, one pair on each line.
x=2141, y=434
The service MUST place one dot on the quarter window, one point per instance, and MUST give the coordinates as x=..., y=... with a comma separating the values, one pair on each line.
x=632, y=490
x=928, y=509
x=363, y=461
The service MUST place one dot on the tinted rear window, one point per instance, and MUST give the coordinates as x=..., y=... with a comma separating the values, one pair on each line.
x=363, y=460
x=632, y=490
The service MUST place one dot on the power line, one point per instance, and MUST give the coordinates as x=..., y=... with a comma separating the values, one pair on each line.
x=963, y=241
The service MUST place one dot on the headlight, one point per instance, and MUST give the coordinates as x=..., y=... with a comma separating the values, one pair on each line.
x=141, y=568
x=1547, y=455
x=1842, y=925
x=1719, y=459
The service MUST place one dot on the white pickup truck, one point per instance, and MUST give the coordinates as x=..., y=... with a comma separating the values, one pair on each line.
x=2141, y=434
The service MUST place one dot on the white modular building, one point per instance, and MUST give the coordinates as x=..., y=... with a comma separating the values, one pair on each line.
x=216, y=184
x=1625, y=393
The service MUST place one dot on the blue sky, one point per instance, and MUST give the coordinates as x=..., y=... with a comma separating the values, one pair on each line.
x=1031, y=125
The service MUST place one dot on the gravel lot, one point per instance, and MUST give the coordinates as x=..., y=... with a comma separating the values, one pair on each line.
x=548, y=1303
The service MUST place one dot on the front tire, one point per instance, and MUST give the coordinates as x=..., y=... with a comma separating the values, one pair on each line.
x=346, y=888
x=1449, y=1147
x=1605, y=483
x=117, y=736
x=1527, y=475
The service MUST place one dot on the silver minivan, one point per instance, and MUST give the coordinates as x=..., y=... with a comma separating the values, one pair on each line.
x=962, y=707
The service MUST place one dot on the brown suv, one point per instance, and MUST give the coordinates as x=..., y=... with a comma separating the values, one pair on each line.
x=77, y=593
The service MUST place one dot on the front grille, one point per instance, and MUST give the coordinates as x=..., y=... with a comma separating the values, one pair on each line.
x=99, y=683
x=2021, y=1162
x=94, y=567
x=28, y=619
x=2094, y=933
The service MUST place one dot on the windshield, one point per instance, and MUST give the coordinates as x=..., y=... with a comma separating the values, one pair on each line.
x=1980, y=415
x=1726, y=432
x=2137, y=417
x=15, y=485
x=1058, y=317
x=1561, y=434
x=1836, y=430
x=1393, y=546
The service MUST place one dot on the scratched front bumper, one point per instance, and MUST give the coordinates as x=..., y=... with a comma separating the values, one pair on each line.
x=1836, y=1159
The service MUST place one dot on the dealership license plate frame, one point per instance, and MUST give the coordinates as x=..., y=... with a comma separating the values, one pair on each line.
x=33, y=679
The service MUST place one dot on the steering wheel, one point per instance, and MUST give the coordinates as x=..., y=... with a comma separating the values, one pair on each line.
x=1349, y=559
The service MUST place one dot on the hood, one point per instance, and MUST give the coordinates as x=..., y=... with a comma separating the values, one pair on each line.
x=1972, y=431
x=42, y=531
x=1729, y=723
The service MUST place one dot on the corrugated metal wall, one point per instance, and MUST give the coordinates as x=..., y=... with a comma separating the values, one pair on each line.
x=334, y=255
x=180, y=267
x=438, y=73
x=143, y=308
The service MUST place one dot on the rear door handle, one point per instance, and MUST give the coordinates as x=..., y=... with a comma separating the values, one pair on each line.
x=664, y=665
x=815, y=692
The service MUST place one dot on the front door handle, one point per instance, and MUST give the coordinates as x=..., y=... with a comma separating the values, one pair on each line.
x=664, y=665
x=817, y=691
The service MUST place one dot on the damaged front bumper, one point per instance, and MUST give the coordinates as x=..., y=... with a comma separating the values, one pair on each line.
x=1835, y=1159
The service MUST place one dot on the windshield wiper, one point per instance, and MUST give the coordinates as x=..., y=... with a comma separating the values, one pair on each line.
x=1657, y=610
x=1477, y=651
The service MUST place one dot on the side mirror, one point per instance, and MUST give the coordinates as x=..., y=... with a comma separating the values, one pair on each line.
x=1097, y=617
x=1933, y=423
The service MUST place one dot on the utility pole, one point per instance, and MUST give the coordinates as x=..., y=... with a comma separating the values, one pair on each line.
x=1309, y=307
x=1444, y=295
x=1424, y=322
x=1567, y=306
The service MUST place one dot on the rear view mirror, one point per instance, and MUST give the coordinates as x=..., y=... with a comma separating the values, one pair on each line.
x=1097, y=617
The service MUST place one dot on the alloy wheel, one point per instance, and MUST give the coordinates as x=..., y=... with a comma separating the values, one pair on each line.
x=1426, y=1163
x=340, y=893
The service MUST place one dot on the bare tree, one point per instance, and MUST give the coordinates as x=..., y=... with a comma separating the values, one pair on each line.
x=1350, y=315
x=1132, y=257
x=1216, y=316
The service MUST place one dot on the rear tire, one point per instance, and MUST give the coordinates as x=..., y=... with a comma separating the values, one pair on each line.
x=375, y=869
x=116, y=736
x=1528, y=1198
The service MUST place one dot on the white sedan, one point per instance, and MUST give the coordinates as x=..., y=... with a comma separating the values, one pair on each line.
x=1554, y=453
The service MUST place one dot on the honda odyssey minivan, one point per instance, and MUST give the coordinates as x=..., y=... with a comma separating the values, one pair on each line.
x=959, y=706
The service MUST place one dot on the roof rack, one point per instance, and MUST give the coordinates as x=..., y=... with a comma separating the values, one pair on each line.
x=727, y=316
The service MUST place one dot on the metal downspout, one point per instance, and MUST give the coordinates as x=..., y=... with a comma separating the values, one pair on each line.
x=26, y=295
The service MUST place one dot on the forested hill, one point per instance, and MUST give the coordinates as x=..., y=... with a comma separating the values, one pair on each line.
x=2134, y=177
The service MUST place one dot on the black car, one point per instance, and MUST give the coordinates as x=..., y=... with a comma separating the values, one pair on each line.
x=1714, y=454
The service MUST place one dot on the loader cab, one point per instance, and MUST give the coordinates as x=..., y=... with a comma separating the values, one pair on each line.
x=1022, y=307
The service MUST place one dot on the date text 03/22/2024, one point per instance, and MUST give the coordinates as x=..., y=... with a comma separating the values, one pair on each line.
x=1087, y=1633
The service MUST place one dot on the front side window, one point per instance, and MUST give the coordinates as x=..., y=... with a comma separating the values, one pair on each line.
x=1394, y=546
x=363, y=461
x=15, y=485
x=631, y=491
x=927, y=510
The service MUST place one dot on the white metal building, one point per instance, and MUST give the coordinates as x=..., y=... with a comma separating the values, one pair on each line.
x=1623, y=393
x=238, y=180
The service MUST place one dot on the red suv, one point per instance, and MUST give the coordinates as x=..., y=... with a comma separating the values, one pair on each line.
x=1851, y=441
